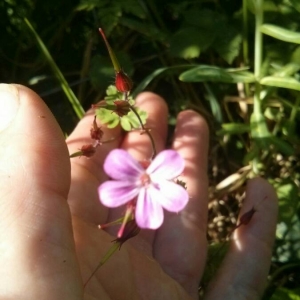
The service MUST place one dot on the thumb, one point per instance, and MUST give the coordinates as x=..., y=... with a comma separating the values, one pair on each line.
x=37, y=253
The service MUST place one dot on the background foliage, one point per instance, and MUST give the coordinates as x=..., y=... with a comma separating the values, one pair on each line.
x=197, y=54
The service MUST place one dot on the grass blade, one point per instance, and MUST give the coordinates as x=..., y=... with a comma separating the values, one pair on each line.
x=60, y=77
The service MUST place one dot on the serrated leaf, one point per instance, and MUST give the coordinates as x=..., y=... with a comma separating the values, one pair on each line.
x=106, y=116
x=205, y=73
x=112, y=90
x=113, y=123
x=282, y=82
x=281, y=33
x=128, y=122
x=125, y=124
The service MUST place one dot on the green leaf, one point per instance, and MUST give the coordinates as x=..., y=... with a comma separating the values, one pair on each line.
x=130, y=121
x=282, y=146
x=286, y=294
x=113, y=94
x=227, y=42
x=281, y=33
x=109, y=117
x=146, y=81
x=106, y=116
x=288, y=70
x=205, y=73
x=234, y=128
x=188, y=42
x=282, y=82
x=214, y=104
x=110, y=13
x=125, y=124
x=145, y=28
x=296, y=4
x=287, y=193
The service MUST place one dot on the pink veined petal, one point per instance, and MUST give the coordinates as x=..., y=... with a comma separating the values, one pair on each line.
x=170, y=196
x=148, y=212
x=120, y=165
x=115, y=193
x=168, y=164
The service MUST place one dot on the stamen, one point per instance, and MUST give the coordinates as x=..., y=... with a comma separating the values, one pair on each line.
x=145, y=179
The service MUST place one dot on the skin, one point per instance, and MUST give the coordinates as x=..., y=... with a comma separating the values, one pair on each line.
x=49, y=240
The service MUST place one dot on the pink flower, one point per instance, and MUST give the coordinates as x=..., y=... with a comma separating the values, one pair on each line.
x=153, y=188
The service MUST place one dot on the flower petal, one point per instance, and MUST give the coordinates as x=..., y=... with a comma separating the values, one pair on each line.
x=120, y=165
x=115, y=193
x=171, y=196
x=148, y=212
x=168, y=164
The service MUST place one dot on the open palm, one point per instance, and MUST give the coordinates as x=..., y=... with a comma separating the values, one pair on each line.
x=49, y=240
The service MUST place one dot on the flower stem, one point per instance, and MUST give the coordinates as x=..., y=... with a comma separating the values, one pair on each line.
x=108, y=254
x=146, y=130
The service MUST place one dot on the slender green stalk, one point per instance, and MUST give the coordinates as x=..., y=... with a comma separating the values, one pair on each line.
x=295, y=108
x=145, y=130
x=245, y=42
x=245, y=34
x=60, y=77
x=258, y=37
x=258, y=54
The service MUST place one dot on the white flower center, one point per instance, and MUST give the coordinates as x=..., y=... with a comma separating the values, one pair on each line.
x=145, y=179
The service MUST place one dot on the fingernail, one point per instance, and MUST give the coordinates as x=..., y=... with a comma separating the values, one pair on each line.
x=9, y=104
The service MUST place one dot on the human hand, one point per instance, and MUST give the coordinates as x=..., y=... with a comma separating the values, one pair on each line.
x=49, y=240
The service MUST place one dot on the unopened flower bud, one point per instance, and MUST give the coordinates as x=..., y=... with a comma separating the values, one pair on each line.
x=122, y=108
x=123, y=82
x=130, y=230
x=96, y=132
